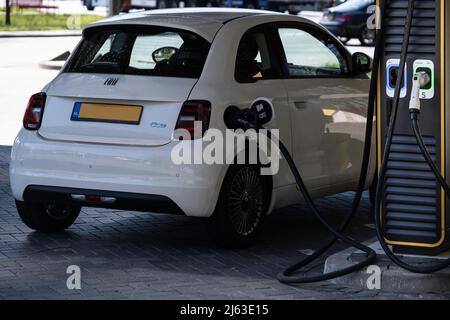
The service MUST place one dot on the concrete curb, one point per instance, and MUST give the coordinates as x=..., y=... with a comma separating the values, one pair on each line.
x=393, y=278
x=40, y=34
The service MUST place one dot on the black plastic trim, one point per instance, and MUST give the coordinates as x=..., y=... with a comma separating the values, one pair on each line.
x=125, y=200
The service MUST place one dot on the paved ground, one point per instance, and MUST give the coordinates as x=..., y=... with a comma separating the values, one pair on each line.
x=124, y=255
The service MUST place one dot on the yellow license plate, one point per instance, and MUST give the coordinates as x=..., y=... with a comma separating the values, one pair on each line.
x=114, y=113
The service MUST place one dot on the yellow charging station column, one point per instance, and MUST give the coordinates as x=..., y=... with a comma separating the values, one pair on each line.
x=415, y=212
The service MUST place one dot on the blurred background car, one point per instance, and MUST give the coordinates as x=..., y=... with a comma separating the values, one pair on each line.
x=349, y=20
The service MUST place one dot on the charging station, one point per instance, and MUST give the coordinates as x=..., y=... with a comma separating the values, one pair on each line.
x=415, y=214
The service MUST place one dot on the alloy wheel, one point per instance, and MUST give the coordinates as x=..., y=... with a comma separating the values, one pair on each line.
x=246, y=201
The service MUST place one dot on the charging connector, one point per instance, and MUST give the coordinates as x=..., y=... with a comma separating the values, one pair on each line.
x=420, y=81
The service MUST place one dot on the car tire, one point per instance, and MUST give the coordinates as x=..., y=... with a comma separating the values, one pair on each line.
x=88, y=5
x=48, y=218
x=367, y=37
x=241, y=208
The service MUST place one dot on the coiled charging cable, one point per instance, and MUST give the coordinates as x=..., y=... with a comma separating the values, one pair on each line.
x=288, y=275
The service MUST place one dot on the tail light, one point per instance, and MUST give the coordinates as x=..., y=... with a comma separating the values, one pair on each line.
x=34, y=112
x=192, y=111
x=344, y=18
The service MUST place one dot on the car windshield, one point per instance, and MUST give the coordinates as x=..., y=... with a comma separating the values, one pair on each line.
x=351, y=5
x=154, y=52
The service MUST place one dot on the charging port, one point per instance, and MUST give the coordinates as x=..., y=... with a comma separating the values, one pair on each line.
x=392, y=74
x=427, y=92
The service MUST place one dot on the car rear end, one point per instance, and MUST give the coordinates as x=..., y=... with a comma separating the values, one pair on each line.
x=101, y=133
x=347, y=19
x=335, y=25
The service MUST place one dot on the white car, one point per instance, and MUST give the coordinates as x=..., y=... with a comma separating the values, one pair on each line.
x=101, y=133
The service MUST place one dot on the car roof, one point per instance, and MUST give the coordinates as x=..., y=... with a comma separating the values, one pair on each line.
x=203, y=21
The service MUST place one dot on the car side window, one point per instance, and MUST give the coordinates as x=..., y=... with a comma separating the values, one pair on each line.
x=141, y=54
x=309, y=55
x=253, y=58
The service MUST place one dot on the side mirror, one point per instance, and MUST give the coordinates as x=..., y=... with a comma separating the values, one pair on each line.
x=164, y=53
x=361, y=63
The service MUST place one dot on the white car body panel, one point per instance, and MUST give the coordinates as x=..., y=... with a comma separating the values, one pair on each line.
x=126, y=160
x=338, y=109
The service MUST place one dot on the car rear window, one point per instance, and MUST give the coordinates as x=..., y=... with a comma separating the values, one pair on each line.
x=155, y=51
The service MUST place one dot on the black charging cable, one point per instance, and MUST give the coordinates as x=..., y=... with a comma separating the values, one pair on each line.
x=288, y=275
x=383, y=168
x=285, y=276
x=423, y=148
x=247, y=119
x=244, y=119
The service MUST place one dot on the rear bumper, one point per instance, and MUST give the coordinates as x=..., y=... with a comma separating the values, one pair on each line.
x=121, y=200
x=136, y=174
